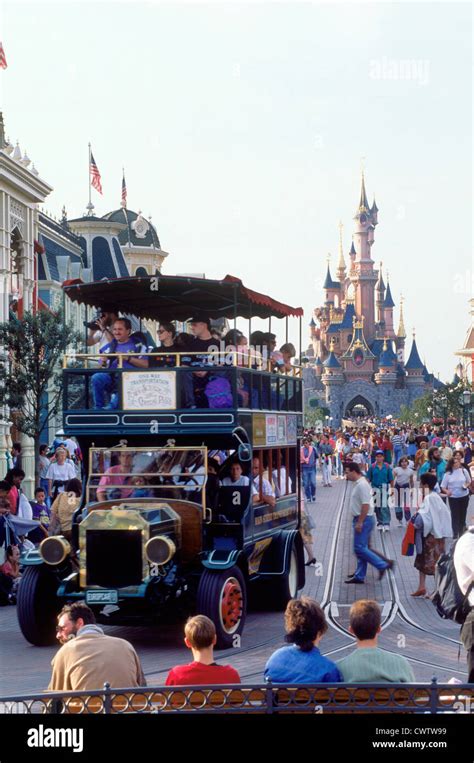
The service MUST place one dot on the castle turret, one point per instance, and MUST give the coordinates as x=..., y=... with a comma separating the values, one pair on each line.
x=388, y=306
x=341, y=268
x=386, y=378
x=401, y=336
x=414, y=371
x=332, y=288
x=380, y=296
x=362, y=275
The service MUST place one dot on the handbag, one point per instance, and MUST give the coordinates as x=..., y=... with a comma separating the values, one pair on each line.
x=408, y=542
x=310, y=521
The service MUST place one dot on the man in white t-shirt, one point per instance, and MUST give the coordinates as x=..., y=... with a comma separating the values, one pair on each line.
x=261, y=485
x=464, y=566
x=363, y=522
x=236, y=478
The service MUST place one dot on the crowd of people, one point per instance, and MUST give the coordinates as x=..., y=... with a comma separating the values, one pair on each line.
x=25, y=523
x=204, y=346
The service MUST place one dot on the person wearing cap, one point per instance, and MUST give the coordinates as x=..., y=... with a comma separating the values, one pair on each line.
x=380, y=476
x=201, y=330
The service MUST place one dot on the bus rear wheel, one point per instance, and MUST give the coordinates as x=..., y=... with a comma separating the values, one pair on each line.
x=222, y=596
x=287, y=585
x=37, y=605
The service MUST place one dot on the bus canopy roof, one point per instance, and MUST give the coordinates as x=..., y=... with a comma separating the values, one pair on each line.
x=168, y=298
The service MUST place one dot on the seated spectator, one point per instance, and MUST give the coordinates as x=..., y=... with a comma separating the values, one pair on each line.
x=236, y=347
x=100, y=331
x=59, y=472
x=41, y=514
x=200, y=637
x=237, y=478
x=122, y=342
x=368, y=663
x=10, y=576
x=257, y=351
x=288, y=352
x=110, y=483
x=261, y=484
x=302, y=662
x=140, y=487
x=280, y=483
x=201, y=331
x=63, y=508
x=167, y=337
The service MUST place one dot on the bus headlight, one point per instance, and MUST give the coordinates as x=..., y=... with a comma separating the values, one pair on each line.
x=54, y=550
x=160, y=549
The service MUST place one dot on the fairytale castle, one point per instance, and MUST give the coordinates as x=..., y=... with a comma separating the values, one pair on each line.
x=357, y=358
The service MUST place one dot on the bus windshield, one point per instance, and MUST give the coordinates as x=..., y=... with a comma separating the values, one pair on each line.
x=160, y=473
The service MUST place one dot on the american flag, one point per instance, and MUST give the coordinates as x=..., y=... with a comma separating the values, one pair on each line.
x=124, y=191
x=3, y=60
x=95, y=175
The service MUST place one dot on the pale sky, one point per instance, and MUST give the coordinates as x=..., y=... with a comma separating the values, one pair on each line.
x=242, y=126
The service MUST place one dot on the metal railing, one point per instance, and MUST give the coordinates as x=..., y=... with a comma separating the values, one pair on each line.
x=432, y=698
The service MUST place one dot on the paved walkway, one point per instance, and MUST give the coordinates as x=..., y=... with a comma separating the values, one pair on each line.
x=411, y=626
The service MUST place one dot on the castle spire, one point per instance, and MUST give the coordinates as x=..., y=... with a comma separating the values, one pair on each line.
x=401, y=333
x=380, y=286
x=341, y=268
x=363, y=203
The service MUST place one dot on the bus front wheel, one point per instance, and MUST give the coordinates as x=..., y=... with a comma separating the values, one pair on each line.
x=222, y=596
x=37, y=605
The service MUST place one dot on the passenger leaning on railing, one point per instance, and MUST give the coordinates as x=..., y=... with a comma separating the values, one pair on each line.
x=105, y=383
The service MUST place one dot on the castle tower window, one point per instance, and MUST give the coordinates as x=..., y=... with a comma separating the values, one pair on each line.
x=141, y=272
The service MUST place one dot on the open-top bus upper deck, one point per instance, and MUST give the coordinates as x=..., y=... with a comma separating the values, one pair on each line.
x=245, y=387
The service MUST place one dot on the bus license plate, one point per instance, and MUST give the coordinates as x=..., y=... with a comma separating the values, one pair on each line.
x=101, y=597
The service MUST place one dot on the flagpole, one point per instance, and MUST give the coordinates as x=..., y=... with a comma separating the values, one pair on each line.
x=90, y=206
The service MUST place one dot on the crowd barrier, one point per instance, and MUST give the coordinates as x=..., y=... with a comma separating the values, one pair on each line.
x=266, y=698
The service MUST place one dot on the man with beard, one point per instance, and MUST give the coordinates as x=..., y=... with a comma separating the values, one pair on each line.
x=89, y=658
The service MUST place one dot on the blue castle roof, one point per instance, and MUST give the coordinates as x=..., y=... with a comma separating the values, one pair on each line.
x=348, y=316
x=329, y=283
x=414, y=361
x=331, y=361
x=388, y=301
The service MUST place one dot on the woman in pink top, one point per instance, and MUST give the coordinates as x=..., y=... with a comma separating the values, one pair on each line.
x=116, y=476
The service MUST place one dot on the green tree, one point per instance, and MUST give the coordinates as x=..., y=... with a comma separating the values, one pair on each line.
x=31, y=383
x=314, y=413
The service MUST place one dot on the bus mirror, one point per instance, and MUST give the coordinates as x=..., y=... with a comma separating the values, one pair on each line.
x=245, y=452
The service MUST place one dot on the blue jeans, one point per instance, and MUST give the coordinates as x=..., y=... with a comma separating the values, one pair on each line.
x=309, y=482
x=397, y=454
x=362, y=551
x=102, y=384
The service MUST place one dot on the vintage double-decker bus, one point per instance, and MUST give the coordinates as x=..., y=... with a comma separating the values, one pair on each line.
x=176, y=512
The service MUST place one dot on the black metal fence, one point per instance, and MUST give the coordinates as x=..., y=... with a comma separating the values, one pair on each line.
x=267, y=698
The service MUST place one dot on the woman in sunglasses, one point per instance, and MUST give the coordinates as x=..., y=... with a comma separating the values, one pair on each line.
x=167, y=348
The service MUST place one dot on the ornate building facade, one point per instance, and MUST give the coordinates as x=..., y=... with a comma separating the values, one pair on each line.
x=357, y=357
x=38, y=253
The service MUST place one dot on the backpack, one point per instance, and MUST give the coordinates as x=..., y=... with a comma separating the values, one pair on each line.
x=219, y=393
x=449, y=600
